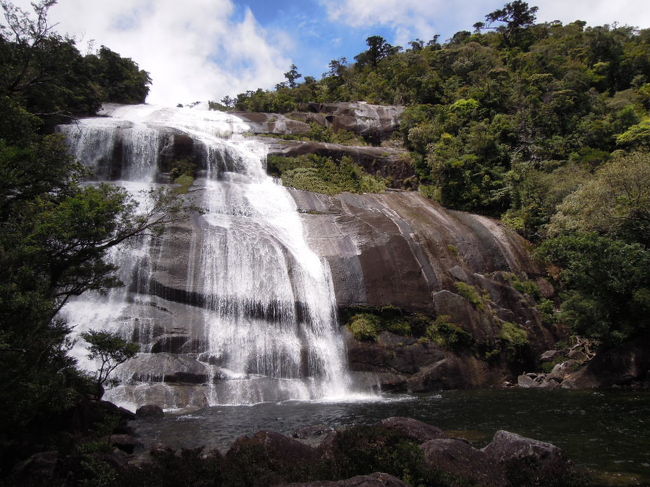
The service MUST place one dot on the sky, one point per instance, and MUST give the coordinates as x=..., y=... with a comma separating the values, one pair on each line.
x=206, y=49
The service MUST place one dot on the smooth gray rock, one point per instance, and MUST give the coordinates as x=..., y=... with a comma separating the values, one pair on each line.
x=508, y=447
x=413, y=429
x=461, y=460
x=164, y=367
x=149, y=411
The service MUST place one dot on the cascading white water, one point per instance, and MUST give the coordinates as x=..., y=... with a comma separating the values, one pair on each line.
x=267, y=307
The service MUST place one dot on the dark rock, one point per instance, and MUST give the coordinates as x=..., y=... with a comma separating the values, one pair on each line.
x=149, y=411
x=454, y=372
x=169, y=343
x=549, y=355
x=87, y=414
x=313, y=431
x=413, y=429
x=398, y=354
x=278, y=449
x=461, y=460
x=621, y=366
x=372, y=480
x=269, y=458
x=126, y=443
x=390, y=382
x=525, y=458
x=38, y=469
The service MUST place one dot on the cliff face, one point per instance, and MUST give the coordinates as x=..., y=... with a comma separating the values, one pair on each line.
x=373, y=122
x=395, y=249
x=402, y=250
x=453, y=270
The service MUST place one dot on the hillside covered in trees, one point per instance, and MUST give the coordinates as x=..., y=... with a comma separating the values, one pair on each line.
x=543, y=125
x=55, y=231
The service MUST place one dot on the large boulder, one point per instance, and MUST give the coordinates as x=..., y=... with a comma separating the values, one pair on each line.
x=149, y=411
x=269, y=458
x=373, y=122
x=621, y=366
x=464, y=462
x=413, y=429
x=525, y=459
x=164, y=367
x=403, y=250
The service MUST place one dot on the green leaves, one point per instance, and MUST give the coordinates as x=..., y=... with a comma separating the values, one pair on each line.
x=606, y=283
x=111, y=350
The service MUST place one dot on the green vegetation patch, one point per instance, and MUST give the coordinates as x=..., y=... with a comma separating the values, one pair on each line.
x=513, y=334
x=365, y=327
x=449, y=335
x=321, y=133
x=524, y=286
x=325, y=175
x=366, y=323
x=183, y=172
x=472, y=295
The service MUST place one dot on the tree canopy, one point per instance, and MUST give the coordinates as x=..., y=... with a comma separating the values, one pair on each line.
x=56, y=230
x=544, y=125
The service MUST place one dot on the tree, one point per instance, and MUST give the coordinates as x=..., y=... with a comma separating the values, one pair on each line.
x=516, y=16
x=46, y=74
x=606, y=285
x=378, y=49
x=292, y=75
x=120, y=78
x=111, y=350
x=615, y=202
x=55, y=231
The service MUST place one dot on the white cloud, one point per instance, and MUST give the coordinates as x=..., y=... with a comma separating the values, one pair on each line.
x=194, y=49
x=419, y=18
x=408, y=18
x=596, y=12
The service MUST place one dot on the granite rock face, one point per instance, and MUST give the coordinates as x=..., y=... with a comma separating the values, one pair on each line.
x=396, y=248
x=400, y=249
x=373, y=122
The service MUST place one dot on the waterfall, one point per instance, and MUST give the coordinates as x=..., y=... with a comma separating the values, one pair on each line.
x=232, y=307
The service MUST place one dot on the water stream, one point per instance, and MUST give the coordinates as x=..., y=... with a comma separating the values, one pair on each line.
x=262, y=325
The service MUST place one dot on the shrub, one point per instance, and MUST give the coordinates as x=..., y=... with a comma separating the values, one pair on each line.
x=365, y=449
x=449, y=335
x=364, y=327
x=513, y=335
x=324, y=175
x=470, y=293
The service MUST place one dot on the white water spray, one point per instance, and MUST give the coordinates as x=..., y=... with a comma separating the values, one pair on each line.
x=267, y=307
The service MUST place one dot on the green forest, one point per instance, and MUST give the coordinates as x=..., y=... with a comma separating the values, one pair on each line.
x=543, y=125
x=56, y=232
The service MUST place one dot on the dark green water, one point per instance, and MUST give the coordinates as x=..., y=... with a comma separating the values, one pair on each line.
x=604, y=431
